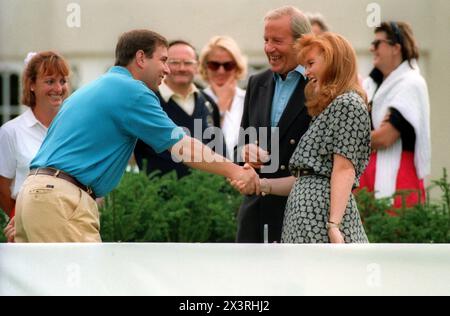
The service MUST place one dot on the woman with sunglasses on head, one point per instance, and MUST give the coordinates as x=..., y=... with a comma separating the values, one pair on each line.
x=400, y=107
x=222, y=65
x=45, y=87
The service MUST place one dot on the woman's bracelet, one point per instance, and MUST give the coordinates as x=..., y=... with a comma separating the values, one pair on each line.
x=334, y=225
x=265, y=184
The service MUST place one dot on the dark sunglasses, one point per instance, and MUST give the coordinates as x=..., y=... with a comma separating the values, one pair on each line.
x=214, y=65
x=376, y=43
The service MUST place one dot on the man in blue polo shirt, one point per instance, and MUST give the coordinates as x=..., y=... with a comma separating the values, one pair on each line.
x=92, y=138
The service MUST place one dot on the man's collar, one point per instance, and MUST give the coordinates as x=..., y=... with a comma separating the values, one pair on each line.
x=167, y=93
x=300, y=69
x=121, y=70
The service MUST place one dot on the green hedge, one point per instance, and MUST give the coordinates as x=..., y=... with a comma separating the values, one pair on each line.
x=203, y=208
x=427, y=223
x=196, y=208
x=3, y=222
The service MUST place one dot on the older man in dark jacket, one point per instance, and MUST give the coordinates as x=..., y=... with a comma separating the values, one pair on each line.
x=275, y=102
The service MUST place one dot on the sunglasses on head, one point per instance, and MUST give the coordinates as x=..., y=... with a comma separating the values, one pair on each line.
x=397, y=33
x=376, y=43
x=214, y=65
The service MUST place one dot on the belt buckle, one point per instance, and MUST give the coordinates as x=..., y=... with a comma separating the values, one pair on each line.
x=56, y=171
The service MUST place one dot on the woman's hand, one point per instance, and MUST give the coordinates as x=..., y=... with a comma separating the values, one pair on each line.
x=335, y=236
x=10, y=231
x=225, y=93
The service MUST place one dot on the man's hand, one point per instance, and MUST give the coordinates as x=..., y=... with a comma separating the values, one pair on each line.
x=10, y=231
x=248, y=183
x=255, y=156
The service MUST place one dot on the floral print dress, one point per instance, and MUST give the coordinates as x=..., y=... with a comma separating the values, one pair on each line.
x=343, y=128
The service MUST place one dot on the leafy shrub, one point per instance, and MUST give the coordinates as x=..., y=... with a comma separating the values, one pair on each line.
x=3, y=222
x=422, y=224
x=202, y=208
x=427, y=223
x=196, y=208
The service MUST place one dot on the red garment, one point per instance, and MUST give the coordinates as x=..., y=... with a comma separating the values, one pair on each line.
x=13, y=213
x=407, y=179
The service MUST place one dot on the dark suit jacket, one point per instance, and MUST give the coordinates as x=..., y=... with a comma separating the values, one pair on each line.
x=256, y=211
x=205, y=109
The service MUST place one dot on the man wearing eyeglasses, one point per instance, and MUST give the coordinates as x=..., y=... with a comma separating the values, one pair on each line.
x=184, y=104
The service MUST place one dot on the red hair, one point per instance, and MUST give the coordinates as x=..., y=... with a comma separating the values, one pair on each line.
x=341, y=74
x=42, y=64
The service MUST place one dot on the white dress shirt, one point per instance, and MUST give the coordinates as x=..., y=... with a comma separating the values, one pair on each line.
x=187, y=104
x=231, y=119
x=20, y=140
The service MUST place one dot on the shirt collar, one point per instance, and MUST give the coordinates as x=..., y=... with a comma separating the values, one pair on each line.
x=167, y=93
x=299, y=69
x=31, y=120
x=120, y=70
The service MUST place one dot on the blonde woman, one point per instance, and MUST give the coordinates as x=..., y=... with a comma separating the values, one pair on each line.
x=222, y=65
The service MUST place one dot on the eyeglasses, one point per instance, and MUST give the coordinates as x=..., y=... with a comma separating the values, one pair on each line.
x=376, y=43
x=178, y=63
x=215, y=65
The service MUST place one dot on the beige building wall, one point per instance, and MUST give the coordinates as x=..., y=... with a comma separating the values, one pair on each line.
x=33, y=25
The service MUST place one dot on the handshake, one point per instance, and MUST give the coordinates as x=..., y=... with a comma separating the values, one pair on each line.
x=249, y=183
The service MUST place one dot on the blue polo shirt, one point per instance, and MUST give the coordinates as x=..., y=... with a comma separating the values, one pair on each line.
x=283, y=92
x=95, y=132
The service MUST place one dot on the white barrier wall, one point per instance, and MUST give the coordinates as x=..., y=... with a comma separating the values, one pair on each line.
x=224, y=269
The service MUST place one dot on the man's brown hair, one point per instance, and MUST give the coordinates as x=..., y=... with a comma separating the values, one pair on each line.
x=133, y=41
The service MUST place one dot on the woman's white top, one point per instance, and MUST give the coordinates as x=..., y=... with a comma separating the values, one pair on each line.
x=20, y=140
x=406, y=91
x=231, y=119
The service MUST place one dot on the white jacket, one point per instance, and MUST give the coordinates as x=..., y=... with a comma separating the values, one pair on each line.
x=405, y=90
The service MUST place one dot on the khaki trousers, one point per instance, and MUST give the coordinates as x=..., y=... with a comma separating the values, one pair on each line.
x=53, y=210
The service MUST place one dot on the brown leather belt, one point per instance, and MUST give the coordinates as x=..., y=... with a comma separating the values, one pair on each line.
x=310, y=172
x=62, y=175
